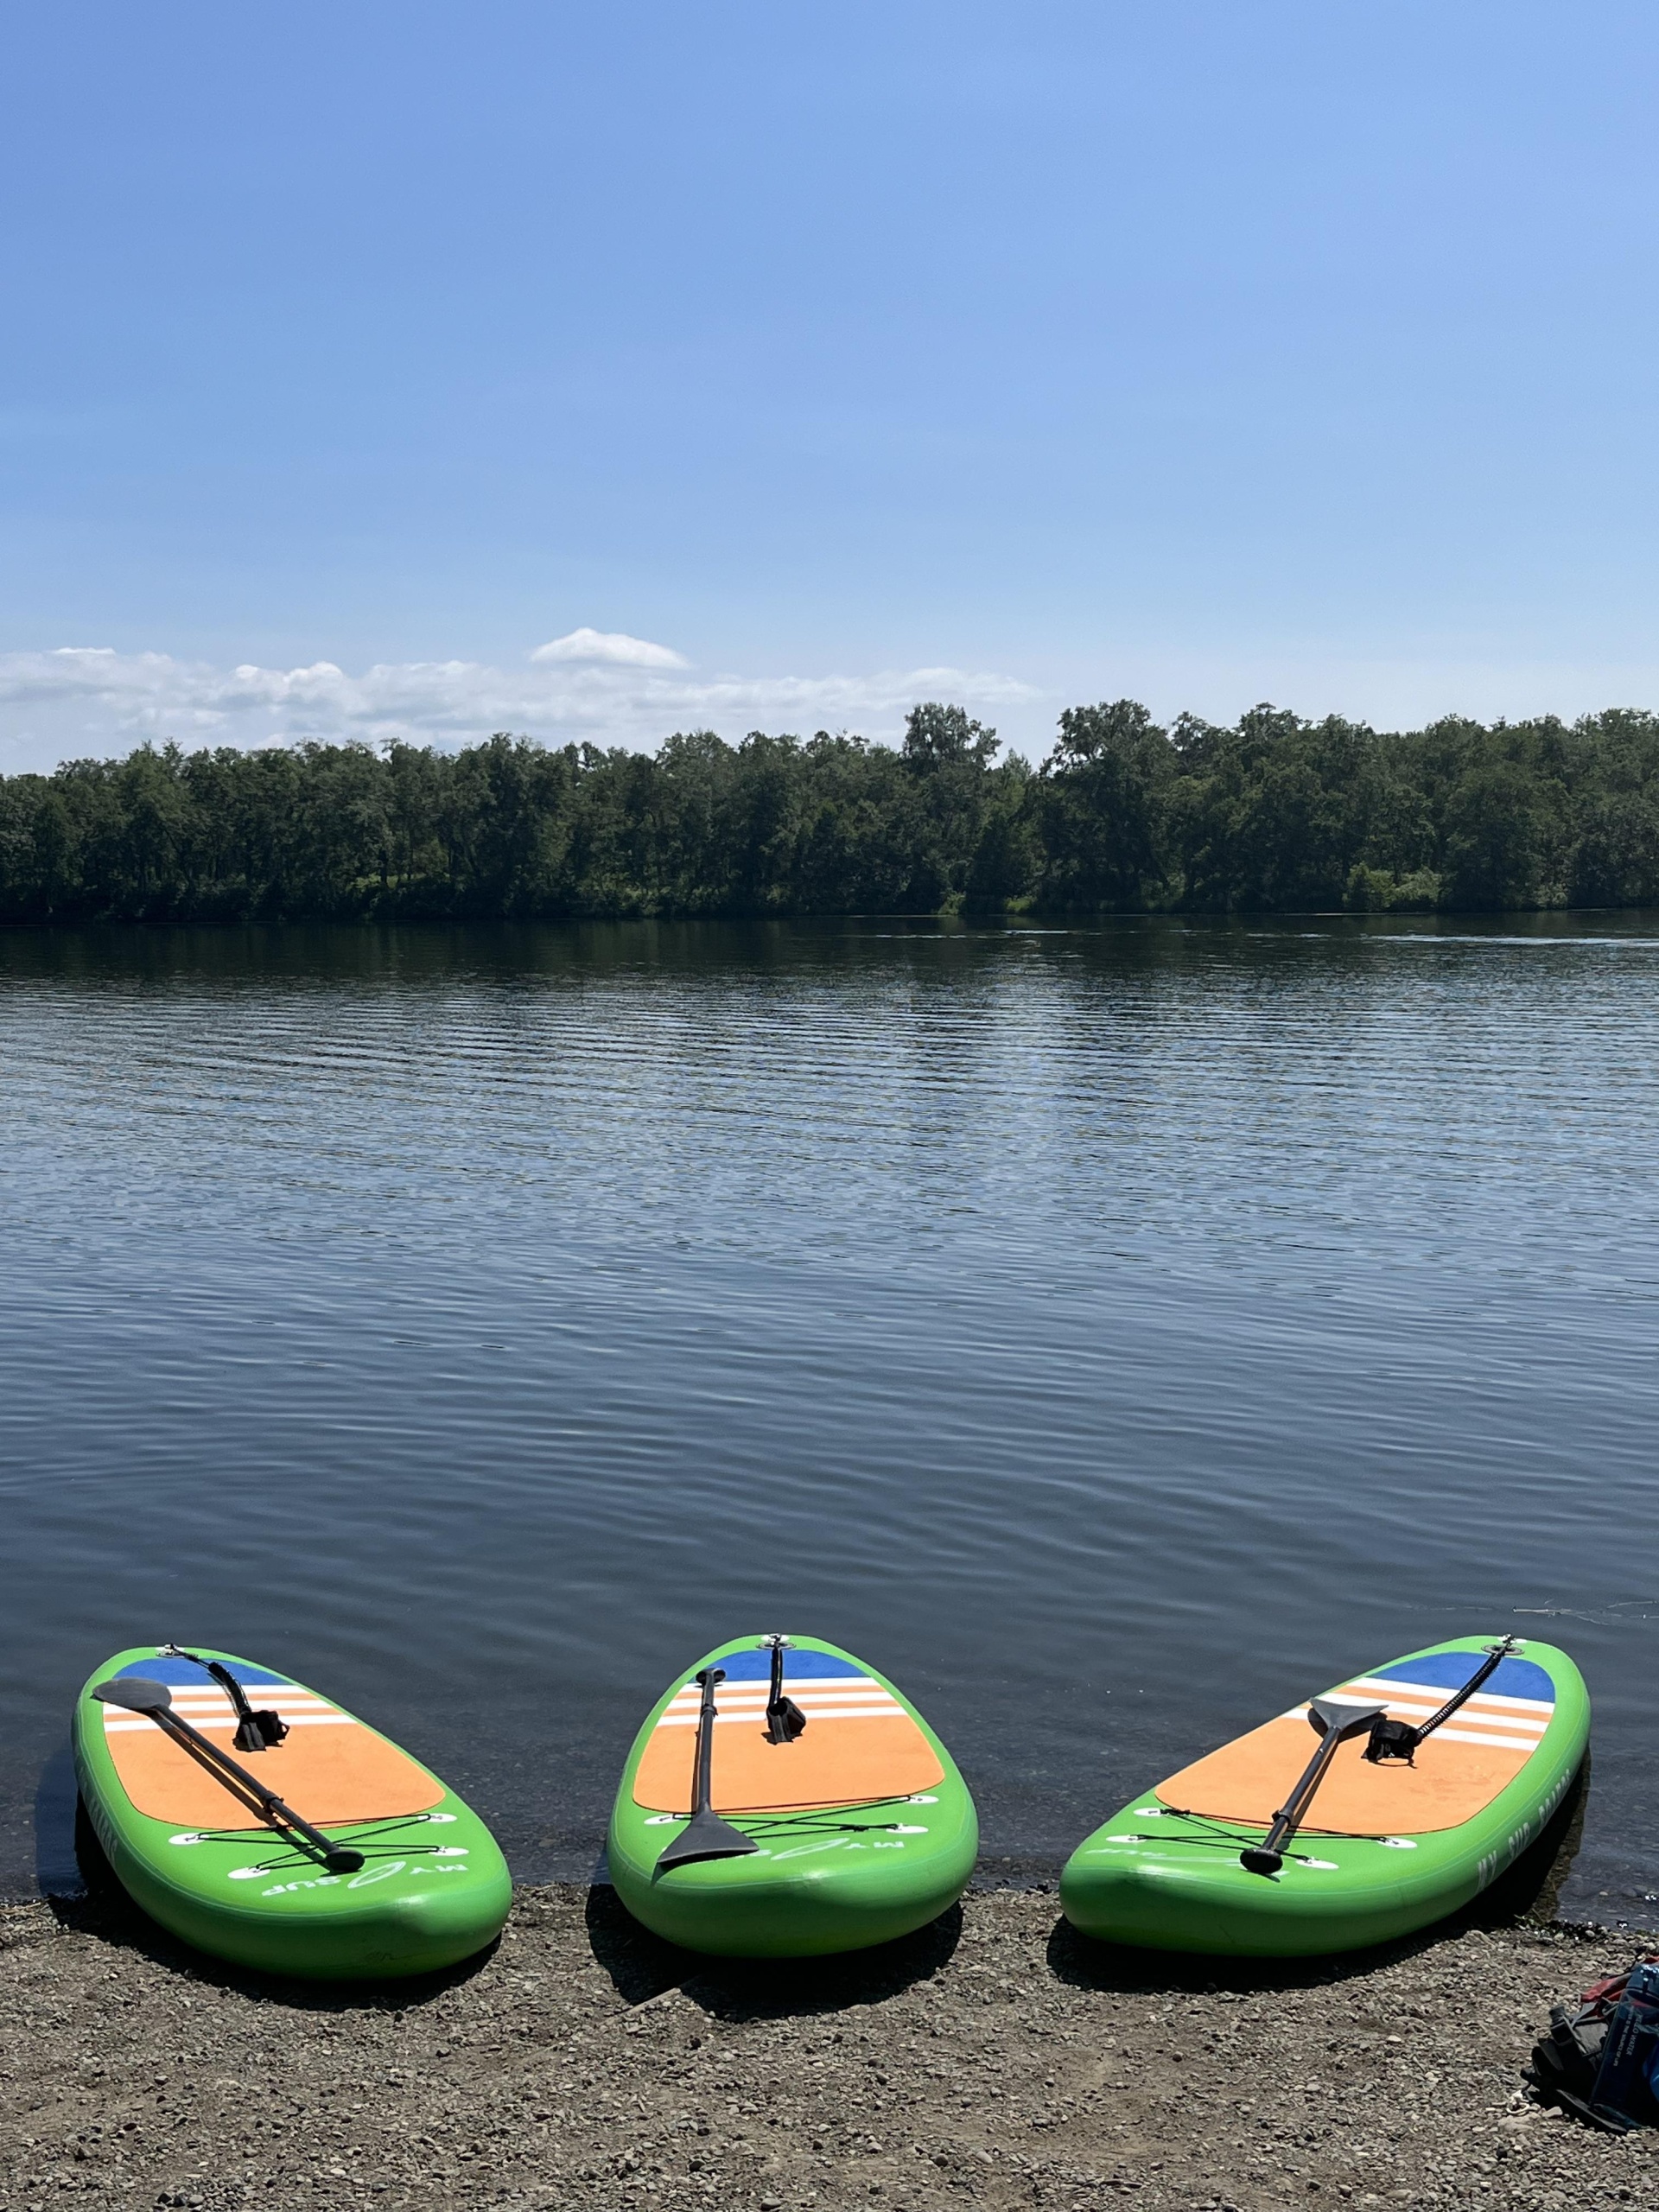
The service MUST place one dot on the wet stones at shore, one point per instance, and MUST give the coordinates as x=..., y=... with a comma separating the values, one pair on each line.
x=994, y=2060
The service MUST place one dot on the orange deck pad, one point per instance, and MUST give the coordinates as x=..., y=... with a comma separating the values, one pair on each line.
x=1250, y=1779
x=835, y=1762
x=337, y=1771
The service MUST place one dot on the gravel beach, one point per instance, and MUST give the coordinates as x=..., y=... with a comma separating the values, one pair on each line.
x=996, y=2059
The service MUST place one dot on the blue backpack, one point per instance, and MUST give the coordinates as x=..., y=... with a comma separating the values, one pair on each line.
x=1600, y=2059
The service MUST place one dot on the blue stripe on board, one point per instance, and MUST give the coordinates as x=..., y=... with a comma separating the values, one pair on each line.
x=798, y=1661
x=176, y=1671
x=1450, y=1670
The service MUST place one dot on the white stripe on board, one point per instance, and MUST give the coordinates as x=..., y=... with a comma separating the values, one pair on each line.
x=1513, y=1720
x=1453, y=1734
x=1379, y=1685
x=684, y=1718
x=223, y=1711
x=693, y=1705
x=112, y=1726
x=759, y=1704
x=762, y=1690
x=197, y=1701
x=814, y=1684
x=1457, y=1730
x=819, y=1712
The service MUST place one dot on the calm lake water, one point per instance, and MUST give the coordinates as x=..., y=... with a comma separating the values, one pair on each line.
x=1116, y=1334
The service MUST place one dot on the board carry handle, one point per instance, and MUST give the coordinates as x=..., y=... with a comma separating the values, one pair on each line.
x=138, y=1695
x=1398, y=1739
x=255, y=1731
x=706, y=1836
x=785, y=1720
x=1334, y=1723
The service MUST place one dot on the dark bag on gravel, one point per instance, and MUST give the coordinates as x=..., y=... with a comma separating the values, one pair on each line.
x=1612, y=2031
x=1627, y=2080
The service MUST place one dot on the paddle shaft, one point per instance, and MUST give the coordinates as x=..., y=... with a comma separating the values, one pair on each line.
x=705, y=1835
x=785, y=1720
x=703, y=1799
x=1336, y=1723
x=225, y=1769
x=1288, y=1819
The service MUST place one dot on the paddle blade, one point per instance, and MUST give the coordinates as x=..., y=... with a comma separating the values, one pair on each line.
x=1328, y=1714
x=706, y=1836
x=134, y=1692
x=341, y=1861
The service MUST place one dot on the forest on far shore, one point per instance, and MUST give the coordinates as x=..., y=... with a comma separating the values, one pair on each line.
x=1271, y=814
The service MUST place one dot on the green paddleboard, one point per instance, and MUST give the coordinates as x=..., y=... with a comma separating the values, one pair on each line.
x=432, y=1886
x=1385, y=1848
x=863, y=1827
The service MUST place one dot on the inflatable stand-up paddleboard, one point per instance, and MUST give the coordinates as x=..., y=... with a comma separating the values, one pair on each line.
x=784, y=1799
x=1359, y=1816
x=263, y=1822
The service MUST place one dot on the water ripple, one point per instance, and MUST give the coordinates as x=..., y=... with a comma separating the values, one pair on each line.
x=1116, y=1332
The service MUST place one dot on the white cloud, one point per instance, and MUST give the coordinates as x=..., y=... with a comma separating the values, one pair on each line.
x=612, y=646
x=93, y=700
x=81, y=700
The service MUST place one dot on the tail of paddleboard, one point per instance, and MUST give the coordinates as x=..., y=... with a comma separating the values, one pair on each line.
x=784, y=1799
x=306, y=1843
x=1410, y=1818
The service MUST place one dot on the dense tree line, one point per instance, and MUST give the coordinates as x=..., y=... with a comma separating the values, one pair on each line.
x=1273, y=813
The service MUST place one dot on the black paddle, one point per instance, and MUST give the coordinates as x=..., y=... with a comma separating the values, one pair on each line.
x=785, y=1720
x=1398, y=1739
x=1335, y=1723
x=255, y=1731
x=155, y=1699
x=706, y=1836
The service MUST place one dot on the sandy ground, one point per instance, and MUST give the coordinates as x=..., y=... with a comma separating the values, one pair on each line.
x=994, y=2059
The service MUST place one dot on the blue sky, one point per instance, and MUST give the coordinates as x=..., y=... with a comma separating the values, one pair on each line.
x=839, y=354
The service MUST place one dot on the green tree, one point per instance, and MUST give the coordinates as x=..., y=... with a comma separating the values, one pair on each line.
x=1272, y=812
x=1502, y=836
x=1103, y=809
